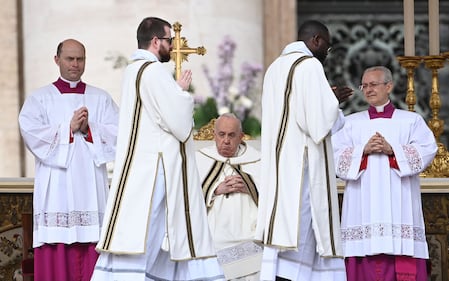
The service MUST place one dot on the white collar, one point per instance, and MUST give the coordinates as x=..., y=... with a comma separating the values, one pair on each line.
x=72, y=84
x=298, y=46
x=380, y=108
x=246, y=154
x=141, y=54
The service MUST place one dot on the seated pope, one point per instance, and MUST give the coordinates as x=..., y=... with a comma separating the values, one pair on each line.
x=229, y=171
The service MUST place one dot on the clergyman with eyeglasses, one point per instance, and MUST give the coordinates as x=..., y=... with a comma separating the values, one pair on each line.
x=155, y=224
x=380, y=153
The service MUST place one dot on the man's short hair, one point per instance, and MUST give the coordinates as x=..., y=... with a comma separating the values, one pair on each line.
x=149, y=28
x=311, y=28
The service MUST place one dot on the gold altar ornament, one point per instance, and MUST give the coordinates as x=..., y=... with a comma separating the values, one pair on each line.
x=410, y=63
x=440, y=164
x=181, y=49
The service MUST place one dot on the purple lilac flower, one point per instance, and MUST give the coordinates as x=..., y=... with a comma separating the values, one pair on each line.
x=238, y=102
x=220, y=84
x=248, y=77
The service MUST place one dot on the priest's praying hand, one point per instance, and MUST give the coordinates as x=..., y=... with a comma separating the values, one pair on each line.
x=377, y=144
x=79, y=120
x=185, y=79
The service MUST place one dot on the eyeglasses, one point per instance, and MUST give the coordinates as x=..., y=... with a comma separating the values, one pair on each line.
x=169, y=39
x=371, y=85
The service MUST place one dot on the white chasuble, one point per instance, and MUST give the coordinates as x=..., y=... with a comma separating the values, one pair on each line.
x=297, y=120
x=151, y=134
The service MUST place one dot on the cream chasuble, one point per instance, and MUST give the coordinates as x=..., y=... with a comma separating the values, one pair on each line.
x=297, y=118
x=152, y=134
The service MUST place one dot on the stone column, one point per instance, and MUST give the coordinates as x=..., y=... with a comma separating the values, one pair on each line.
x=10, y=85
x=279, y=27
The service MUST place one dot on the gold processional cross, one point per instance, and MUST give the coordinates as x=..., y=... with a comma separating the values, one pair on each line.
x=181, y=50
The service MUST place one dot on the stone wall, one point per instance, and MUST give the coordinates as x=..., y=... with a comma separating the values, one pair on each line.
x=9, y=90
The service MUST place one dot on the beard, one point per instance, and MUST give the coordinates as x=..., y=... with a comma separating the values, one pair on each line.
x=164, y=54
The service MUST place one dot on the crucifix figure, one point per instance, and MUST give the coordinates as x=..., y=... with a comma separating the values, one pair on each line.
x=181, y=50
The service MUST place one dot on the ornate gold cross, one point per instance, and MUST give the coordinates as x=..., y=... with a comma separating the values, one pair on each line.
x=181, y=50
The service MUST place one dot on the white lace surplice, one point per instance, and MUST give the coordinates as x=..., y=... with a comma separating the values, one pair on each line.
x=382, y=210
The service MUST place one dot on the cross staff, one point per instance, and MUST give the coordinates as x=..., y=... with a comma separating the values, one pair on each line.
x=181, y=50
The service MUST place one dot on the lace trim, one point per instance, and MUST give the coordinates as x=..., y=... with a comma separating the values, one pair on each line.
x=75, y=218
x=238, y=252
x=344, y=162
x=383, y=230
x=413, y=158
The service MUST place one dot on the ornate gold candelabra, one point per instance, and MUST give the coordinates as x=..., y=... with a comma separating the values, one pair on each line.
x=410, y=63
x=440, y=164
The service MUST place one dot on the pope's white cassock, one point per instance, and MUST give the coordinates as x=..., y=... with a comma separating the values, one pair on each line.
x=298, y=207
x=381, y=210
x=155, y=222
x=233, y=217
x=71, y=181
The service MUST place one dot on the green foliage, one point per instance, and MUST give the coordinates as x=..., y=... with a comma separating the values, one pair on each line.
x=205, y=112
x=251, y=126
x=208, y=110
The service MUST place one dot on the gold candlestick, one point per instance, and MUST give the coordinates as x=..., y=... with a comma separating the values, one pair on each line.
x=410, y=63
x=440, y=164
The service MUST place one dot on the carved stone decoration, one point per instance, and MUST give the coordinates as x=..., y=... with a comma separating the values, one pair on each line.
x=11, y=208
x=436, y=218
x=11, y=239
x=436, y=248
x=11, y=242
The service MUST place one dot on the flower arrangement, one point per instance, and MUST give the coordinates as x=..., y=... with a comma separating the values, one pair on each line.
x=226, y=98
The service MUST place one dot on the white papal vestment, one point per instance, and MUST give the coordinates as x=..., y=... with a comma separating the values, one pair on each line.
x=233, y=217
